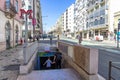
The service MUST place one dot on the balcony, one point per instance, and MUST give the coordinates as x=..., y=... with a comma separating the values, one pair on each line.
x=10, y=10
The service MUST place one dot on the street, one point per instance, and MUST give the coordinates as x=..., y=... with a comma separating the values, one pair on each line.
x=107, y=52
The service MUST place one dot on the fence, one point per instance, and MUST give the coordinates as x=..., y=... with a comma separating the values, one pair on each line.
x=112, y=65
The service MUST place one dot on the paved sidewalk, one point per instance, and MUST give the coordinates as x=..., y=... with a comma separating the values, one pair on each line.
x=58, y=74
x=9, y=64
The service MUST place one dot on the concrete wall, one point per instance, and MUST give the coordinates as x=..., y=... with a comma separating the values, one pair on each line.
x=82, y=59
x=29, y=55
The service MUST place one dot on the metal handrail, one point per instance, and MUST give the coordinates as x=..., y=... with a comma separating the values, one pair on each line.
x=110, y=69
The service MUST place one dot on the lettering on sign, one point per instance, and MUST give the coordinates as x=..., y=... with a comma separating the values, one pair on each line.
x=28, y=12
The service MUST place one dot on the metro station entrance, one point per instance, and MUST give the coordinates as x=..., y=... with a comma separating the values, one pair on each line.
x=41, y=58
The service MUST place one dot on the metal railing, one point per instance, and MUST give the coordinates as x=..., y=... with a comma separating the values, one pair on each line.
x=112, y=65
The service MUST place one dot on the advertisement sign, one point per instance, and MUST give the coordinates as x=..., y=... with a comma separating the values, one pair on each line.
x=33, y=21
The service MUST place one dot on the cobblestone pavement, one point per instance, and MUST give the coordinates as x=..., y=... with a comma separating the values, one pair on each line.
x=9, y=63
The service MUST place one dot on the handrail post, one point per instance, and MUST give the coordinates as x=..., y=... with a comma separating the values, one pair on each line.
x=109, y=74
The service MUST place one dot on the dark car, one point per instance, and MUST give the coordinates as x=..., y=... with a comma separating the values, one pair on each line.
x=44, y=36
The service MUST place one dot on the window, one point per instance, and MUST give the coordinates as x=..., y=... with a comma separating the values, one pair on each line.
x=29, y=7
x=102, y=20
x=16, y=5
x=7, y=4
x=96, y=22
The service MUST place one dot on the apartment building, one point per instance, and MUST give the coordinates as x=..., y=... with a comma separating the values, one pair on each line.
x=100, y=19
x=38, y=17
x=65, y=21
x=80, y=18
x=68, y=21
x=10, y=32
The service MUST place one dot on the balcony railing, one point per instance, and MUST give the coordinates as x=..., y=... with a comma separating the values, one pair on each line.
x=10, y=10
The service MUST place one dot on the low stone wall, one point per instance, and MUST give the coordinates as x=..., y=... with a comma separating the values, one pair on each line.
x=82, y=59
x=29, y=51
x=29, y=56
x=86, y=58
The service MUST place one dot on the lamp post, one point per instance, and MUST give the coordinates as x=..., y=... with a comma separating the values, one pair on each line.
x=28, y=12
x=118, y=34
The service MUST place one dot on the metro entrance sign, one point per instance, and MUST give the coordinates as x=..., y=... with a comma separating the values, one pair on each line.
x=28, y=12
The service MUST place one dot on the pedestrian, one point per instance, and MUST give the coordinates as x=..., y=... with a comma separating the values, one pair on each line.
x=58, y=59
x=21, y=41
x=37, y=38
x=30, y=37
x=48, y=63
x=79, y=39
x=51, y=40
x=58, y=37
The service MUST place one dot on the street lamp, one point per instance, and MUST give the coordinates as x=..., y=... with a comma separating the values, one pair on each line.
x=28, y=12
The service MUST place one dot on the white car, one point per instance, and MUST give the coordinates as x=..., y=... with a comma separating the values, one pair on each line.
x=69, y=36
x=99, y=38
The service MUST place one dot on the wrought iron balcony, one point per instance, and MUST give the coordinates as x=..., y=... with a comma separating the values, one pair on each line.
x=10, y=10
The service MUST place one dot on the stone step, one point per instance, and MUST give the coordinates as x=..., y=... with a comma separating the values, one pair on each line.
x=57, y=74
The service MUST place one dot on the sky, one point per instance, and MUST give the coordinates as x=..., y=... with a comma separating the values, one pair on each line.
x=52, y=10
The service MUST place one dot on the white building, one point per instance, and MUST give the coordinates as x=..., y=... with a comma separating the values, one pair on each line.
x=80, y=17
x=100, y=19
x=70, y=20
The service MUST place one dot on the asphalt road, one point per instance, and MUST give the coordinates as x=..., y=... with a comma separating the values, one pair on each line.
x=106, y=54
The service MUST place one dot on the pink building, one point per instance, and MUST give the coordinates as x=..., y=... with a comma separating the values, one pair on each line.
x=10, y=23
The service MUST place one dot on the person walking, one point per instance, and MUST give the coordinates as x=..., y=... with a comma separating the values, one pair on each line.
x=48, y=63
x=58, y=38
x=51, y=40
x=79, y=39
x=58, y=59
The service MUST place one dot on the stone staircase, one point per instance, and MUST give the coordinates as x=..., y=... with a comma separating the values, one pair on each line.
x=56, y=74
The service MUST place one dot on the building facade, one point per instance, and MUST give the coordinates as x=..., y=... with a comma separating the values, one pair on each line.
x=80, y=18
x=100, y=19
x=68, y=21
x=10, y=32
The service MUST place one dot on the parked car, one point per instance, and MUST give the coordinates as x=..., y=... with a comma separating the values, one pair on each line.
x=99, y=38
x=69, y=36
x=44, y=36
